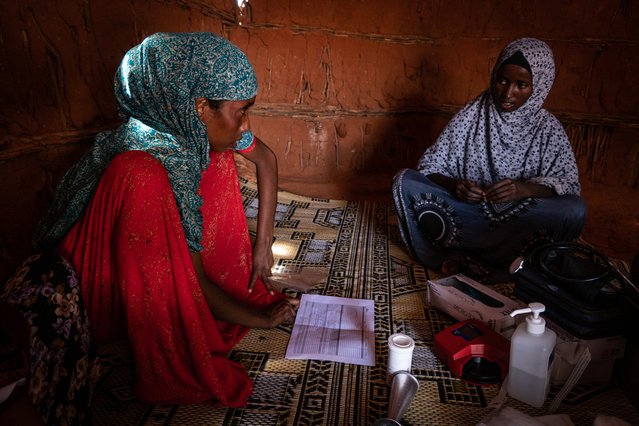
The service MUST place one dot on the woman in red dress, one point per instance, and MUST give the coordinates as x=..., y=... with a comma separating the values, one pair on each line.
x=152, y=220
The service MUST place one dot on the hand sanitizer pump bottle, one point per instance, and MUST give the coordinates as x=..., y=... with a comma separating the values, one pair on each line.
x=531, y=346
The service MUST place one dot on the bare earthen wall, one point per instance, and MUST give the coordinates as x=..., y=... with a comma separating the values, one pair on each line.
x=350, y=91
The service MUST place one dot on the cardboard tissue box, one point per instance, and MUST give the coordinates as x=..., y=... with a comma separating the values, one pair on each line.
x=463, y=298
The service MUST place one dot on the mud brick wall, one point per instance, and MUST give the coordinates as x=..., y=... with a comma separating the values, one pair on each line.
x=350, y=90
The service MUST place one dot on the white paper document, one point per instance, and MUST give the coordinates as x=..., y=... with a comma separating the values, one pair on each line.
x=331, y=328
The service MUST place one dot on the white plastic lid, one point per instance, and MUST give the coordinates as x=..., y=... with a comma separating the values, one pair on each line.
x=401, y=342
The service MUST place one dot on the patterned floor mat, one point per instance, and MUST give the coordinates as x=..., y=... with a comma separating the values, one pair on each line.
x=345, y=249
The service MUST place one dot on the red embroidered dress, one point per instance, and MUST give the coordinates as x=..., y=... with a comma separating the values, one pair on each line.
x=145, y=196
x=134, y=265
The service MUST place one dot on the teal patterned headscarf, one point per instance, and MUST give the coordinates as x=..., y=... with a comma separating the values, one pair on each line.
x=156, y=86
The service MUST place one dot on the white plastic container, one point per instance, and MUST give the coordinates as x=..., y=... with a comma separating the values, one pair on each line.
x=400, y=354
x=530, y=348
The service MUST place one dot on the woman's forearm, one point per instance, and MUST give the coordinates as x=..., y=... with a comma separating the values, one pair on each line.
x=266, y=170
x=224, y=307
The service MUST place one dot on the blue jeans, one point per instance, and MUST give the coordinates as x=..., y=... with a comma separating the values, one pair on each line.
x=435, y=225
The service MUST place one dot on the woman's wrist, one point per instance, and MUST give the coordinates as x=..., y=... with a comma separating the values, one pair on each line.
x=263, y=242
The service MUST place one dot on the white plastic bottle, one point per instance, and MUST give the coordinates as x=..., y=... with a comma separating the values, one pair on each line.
x=530, y=348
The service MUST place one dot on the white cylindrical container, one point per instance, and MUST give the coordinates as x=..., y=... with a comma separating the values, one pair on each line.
x=530, y=348
x=400, y=354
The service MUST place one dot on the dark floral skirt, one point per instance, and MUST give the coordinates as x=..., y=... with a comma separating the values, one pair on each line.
x=63, y=364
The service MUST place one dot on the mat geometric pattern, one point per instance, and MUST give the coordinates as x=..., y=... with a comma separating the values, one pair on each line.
x=345, y=249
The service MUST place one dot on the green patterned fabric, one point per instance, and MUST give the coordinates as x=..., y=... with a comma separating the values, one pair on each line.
x=156, y=86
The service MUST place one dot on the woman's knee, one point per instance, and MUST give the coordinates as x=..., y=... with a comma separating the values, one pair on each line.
x=399, y=178
x=577, y=211
x=408, y=182
x=572, y=208
x=566, y=213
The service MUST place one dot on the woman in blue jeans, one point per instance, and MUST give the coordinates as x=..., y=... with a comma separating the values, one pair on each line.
x=500, y=178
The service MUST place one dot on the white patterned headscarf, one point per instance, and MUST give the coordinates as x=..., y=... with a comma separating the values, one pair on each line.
x=156, y=86
x=486, y=145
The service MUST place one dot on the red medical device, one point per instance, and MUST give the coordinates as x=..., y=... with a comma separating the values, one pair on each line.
x=473, y=351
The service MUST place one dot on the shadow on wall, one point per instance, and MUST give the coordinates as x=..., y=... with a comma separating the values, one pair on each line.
x=33, y=178
x=336, y=152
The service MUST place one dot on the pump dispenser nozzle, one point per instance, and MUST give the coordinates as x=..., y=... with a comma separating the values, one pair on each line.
x=535, y=323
